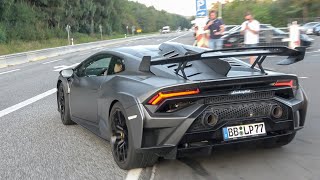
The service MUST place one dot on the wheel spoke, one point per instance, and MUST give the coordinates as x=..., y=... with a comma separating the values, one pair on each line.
x=119, y=149
x=119, y=127
x=120, y=143
x=119, y=117
x=61, y=102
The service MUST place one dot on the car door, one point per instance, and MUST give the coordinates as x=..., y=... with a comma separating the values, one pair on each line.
x=85, y=86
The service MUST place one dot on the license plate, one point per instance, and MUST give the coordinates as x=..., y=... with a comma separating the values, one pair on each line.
x=241, y=131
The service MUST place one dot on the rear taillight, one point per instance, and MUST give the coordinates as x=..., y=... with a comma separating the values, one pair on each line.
x=158, y=98
x=287, y=83
x=283, y=83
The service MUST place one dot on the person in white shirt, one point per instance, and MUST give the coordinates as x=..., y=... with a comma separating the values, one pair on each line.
x=250, y=29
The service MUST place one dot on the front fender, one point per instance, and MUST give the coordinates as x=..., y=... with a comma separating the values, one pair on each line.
x=65, y=86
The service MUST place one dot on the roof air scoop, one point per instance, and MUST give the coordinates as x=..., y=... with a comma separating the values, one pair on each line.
x=169, y=48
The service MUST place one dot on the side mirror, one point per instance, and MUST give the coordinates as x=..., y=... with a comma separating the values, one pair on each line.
x=66, y=73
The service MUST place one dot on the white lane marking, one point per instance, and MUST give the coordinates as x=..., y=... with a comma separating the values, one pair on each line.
x=27, y=102
x=132, y=117
x=52, y=61
x=134, y=174
x=178, y=37
x=9, y=71
x=153, y=172
x=62, y=67
x=303, y=77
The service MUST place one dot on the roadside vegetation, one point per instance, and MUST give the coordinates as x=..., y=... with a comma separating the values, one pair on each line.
x=275, y=12
x=36, y=24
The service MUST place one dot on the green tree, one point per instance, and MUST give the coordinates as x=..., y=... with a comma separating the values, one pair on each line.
x=44, y=19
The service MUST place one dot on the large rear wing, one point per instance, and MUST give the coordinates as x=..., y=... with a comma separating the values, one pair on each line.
x=294, y=55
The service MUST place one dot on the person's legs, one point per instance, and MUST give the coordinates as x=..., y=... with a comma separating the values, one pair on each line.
x=252, y=58
x=195, y=43
x=212, y=44
x=219, y=43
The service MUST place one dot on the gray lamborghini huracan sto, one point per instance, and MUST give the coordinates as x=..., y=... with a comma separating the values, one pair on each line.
x=171, y=100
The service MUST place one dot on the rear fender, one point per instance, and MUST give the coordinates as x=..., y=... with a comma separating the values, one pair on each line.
x=134, y=116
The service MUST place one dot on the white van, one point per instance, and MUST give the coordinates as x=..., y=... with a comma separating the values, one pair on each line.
x=165, y=29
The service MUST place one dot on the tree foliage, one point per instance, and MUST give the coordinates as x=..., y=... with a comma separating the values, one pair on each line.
x=275, y=12
x=45, y=19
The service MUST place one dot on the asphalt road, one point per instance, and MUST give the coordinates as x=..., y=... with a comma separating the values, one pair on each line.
x=35, y=144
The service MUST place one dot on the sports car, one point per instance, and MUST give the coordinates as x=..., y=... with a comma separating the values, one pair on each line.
x=170, y=100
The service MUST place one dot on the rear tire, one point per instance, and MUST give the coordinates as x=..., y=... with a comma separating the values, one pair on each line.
x=63, y=106
x=279, y=141
x=123, y=152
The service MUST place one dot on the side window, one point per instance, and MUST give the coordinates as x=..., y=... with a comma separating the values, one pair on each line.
x=116, y=66
x=97, y=66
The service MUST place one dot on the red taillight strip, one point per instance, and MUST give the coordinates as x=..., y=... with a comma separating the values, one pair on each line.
x=162, y=95
x=289, y=83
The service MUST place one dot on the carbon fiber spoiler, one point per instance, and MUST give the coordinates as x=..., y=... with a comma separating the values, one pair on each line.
x=294, y=55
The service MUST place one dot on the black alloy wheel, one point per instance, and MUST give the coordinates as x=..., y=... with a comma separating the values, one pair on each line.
x=124, y=153
x=119, y=140
x=61, y=102
x=63, y=106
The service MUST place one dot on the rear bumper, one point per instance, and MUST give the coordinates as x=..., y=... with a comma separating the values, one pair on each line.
x=204, y=148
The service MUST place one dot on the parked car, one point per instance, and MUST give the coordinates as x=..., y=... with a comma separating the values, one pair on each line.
x=233, y=29
x=173, y=99
x=268, y=35
x=308, y=27
x=316, y=30
x=228, y=28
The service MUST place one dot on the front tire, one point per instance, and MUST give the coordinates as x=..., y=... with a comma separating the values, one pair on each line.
x=279, y=141
x=63, y=106
x=123, y=151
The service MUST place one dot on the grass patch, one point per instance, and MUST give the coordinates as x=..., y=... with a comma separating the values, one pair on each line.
x=17, y=46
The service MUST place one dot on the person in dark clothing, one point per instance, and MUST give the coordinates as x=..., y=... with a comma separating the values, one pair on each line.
x=216, y=27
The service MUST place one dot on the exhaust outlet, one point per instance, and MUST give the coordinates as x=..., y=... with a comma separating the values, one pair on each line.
x=209, y=119
x=276, y=111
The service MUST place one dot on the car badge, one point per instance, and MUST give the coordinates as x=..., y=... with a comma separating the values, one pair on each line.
x=236, y=92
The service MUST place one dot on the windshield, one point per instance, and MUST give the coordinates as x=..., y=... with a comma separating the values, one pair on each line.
x=311, y=24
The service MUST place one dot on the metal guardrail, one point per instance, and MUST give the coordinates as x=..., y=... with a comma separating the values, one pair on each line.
x=19, y=58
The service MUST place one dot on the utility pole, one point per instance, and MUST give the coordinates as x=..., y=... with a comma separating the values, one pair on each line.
x=100, y=28
x=68, y=31
x=220, y=9
x=127, y=30
x=133, y=29
x=220, y=5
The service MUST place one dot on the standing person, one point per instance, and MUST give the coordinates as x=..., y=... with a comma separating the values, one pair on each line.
x=195, y=34
x=216, y=27
x=250, y=29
